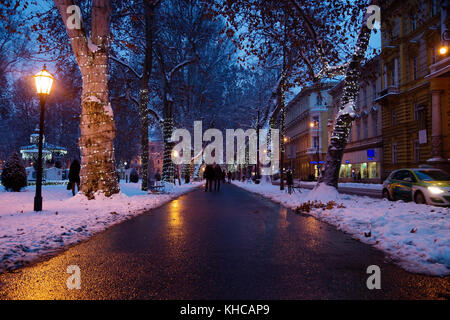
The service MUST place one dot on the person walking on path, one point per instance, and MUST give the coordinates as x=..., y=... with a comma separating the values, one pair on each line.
x=157, y=178
x=209, y=175
x=74, y=175
x=229, y=176
x=218, y=174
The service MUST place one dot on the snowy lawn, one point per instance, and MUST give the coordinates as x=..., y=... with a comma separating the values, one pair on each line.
x=416, y=237
x=25, y=234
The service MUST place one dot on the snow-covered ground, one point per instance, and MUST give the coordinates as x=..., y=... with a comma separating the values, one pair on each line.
x=415, y=236
x=25, y=234
x=372, y=186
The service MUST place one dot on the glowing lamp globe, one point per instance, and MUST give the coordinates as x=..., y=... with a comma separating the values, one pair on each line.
x=443, y=50
x=44, y=82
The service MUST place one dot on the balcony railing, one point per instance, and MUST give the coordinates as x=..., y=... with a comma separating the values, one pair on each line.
x=390, y=90
x=313, y=150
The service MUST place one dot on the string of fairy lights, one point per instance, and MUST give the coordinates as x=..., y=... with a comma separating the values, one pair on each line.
x=97, y=150
x=351, y=88
x=97, y=122
x=143, y=113
x=168, y=166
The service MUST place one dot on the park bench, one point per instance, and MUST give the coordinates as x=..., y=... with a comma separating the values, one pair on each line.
x=154, y=188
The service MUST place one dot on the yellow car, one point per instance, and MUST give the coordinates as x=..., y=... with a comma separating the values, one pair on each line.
x=423, y=185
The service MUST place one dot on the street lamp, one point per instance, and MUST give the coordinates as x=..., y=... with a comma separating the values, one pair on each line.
x=175, y=155
x=257, y=148
x=443, y=50
x=44, y=81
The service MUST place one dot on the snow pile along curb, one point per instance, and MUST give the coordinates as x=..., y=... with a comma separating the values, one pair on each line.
x=417, y=237
x=25, y=234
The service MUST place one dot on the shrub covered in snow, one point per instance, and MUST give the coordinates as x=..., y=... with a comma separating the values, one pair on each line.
x=14, y=176
x=134, y=177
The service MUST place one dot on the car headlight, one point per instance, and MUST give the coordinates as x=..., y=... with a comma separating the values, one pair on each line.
x=435, y=190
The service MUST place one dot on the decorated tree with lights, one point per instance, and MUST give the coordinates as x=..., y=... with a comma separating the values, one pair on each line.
x=97, y=122
x=167, y=73
x=140, y=26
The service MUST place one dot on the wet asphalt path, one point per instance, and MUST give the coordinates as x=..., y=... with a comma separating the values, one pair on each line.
x=227, y=245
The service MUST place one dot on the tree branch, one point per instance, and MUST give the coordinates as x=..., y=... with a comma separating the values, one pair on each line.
x=178, y=67
x=151, y=112
x=123, y=63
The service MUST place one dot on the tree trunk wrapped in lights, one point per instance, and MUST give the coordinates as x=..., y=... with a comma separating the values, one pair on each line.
x=168, y=166
x=191, y=170
x=143, y=114
x=149, y=8
x=97, y=121
x=346, y=113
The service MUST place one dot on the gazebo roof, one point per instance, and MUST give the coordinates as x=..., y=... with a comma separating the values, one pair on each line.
x=48, y=149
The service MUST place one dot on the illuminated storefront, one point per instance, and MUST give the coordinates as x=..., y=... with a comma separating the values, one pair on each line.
x=362, y=165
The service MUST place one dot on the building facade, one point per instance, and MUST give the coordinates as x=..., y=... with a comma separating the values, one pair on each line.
x=415, y=84
x=155, y=157
x=308, y=116
x=363, y=154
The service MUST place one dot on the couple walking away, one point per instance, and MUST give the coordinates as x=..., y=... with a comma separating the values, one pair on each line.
x=213, y=173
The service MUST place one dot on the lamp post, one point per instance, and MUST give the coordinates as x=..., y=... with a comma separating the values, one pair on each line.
x=257, y=148
x=175, y=155
x=44, y=81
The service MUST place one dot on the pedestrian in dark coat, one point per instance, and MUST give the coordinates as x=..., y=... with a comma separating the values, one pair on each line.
x=74, y=175
x=218, y=176
x=289, y=181
x=209, y=175
x=229, y=176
